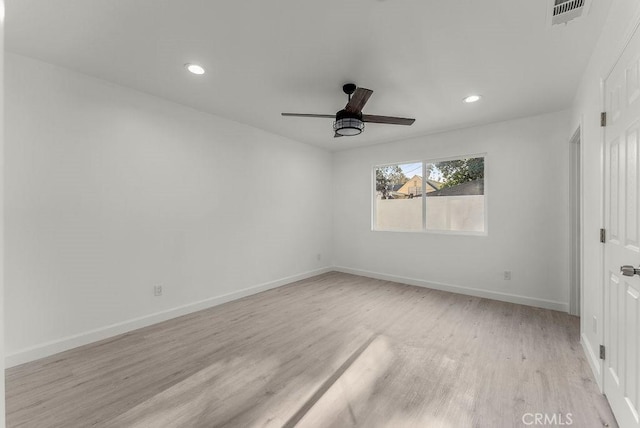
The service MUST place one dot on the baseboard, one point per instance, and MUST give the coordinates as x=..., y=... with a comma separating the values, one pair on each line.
x=50, y=348
x=494, y=295
x=594, y=362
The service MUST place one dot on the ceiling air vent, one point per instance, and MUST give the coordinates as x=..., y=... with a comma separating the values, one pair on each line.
x=563, y=11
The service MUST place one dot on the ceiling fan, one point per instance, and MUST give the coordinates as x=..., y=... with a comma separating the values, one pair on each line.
x=350, y=121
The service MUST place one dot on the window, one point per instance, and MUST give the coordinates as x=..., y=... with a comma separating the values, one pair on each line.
x=445, y=195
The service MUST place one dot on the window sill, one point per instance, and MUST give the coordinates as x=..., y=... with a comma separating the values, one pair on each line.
x=435, y=232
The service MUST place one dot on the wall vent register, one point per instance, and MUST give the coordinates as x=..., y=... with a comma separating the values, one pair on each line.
x=563, y=11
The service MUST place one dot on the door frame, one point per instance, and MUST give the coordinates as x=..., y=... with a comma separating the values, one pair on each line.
x=576, y=232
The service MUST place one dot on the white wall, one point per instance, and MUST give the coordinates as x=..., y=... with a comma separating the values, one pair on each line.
x=110, y=191
x=587, y=106
x=526, y=182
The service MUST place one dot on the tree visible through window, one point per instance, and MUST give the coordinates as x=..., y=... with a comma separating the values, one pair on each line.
x=387, y=177
x=458, y=171
x=443, y=195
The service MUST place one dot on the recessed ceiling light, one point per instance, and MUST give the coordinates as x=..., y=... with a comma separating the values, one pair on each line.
x=194, y=68
x=472, y=98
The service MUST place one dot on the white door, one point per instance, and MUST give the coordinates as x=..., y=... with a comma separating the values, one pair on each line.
x=622, y=186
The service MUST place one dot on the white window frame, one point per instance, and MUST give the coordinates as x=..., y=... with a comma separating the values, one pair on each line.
x=424, y=229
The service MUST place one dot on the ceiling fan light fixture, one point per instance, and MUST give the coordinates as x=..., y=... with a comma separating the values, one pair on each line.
x=348, y=126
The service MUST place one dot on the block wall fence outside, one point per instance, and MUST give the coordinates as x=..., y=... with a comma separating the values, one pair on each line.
x=445, y=213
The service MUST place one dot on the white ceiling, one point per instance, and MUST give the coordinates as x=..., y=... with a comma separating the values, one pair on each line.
x=264, y=57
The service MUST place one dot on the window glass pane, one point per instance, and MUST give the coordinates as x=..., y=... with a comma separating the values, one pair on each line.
x=398, y=203
x=455, y=195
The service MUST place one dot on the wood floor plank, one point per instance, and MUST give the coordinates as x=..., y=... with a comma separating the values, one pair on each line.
x=333, y=350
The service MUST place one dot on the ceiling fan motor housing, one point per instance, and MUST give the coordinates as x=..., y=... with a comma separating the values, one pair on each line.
x=349, y=88
x=348, y=123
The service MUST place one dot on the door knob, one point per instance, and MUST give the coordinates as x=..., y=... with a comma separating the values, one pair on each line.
x=628, y=270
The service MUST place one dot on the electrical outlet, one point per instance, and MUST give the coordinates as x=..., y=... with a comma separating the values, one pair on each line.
x=507, y=275
x=157, y=290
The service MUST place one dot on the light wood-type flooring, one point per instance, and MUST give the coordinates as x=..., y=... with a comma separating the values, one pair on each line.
x=335, y=350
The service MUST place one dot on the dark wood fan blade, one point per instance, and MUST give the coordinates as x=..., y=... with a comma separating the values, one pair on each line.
x=326, y=116
x=372, y=118
x=358, y=100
